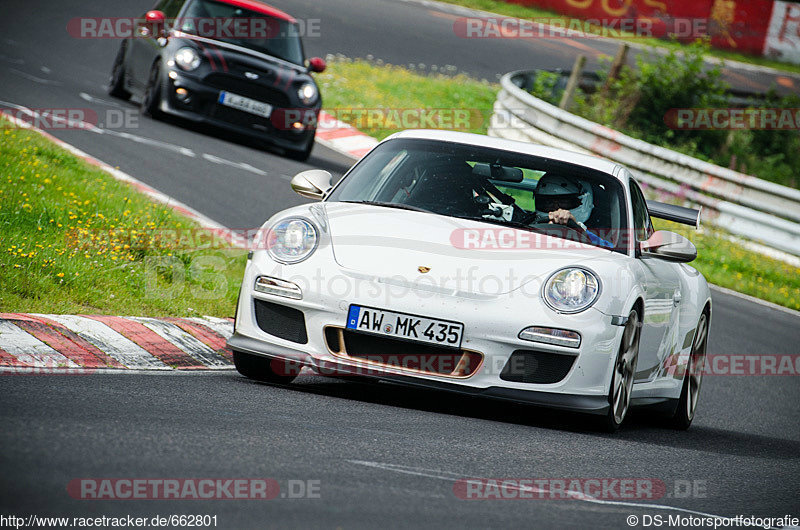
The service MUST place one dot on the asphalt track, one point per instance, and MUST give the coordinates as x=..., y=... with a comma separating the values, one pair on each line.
x=383, y=456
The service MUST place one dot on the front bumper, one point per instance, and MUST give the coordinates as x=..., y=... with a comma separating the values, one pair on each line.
x=592, y=404
x=491, y=327
x=203, y=107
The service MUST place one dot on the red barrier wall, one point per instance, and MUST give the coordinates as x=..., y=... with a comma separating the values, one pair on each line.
x=740, y=25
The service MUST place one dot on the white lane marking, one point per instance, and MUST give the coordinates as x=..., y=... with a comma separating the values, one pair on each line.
x=453, y=477
x=184, y=341
x=92, y=99
x=76, y=124
x=240, y=165
x=82, y=125
x=35, y=79
x=220, y=325
x=109, y=341
x=30, y=350
x=45, y=70
x=185, y=151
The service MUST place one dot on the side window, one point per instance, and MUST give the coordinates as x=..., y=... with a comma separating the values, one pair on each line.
x=641, y=217
x=172, y=7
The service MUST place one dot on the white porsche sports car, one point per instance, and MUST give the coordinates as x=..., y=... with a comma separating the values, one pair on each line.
x=482, y=266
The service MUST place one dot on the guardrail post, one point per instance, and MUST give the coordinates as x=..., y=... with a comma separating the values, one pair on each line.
x=572, y=84
x=619, y=61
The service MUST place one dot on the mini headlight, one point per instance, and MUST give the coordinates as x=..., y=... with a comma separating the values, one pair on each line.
x=187, y=58
x=292, y=240
x=571, y=290
x=307, y=93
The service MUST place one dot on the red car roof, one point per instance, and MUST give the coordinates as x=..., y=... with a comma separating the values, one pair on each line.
x=259, y=7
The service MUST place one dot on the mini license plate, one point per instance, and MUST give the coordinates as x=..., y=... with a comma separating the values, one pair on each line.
x=242, y=103
x=405, y=326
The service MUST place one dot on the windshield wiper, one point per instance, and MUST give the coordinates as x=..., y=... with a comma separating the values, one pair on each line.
x=397, y=205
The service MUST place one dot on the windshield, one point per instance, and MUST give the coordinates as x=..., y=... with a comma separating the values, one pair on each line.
x=242, y=27
x=489, y=185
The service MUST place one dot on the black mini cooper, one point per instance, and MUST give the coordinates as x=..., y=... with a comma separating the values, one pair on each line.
x=234, y=64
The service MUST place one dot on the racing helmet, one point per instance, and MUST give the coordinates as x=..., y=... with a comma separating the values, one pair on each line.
x=556, y=191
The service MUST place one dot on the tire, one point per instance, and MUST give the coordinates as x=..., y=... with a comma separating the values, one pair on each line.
x=265, y=369
x=116, y=86
x=621, y=386
x=152, y=95
x=300, y=156
x=693, y=379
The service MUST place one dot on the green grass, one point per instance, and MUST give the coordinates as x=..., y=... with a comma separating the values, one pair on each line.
x=75, y=240
x=353, y=89
x=525, y=12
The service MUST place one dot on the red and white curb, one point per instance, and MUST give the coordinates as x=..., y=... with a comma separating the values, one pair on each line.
x=30, y=343
x=58, y=342
x=342, y=137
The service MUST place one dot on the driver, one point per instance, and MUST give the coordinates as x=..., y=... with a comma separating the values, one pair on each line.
x=563, y=199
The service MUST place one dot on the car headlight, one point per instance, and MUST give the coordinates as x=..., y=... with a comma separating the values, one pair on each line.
x=307, y=93
x=571, y=290
x=187, y=58
x=292, y=240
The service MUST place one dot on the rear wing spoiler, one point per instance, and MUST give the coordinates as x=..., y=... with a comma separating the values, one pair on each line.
x=672, y=212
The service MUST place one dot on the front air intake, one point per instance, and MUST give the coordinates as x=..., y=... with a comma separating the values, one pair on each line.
x=281, y=321
x=528, y=366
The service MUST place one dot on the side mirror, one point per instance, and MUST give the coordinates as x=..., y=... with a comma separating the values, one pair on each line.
x=312, y=184
x=315, y=64
x=155, y=24
x=669, y=246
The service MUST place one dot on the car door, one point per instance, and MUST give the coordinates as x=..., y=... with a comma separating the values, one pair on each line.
x=662, y=295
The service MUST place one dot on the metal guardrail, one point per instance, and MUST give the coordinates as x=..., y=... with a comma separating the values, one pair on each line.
x=746, y=206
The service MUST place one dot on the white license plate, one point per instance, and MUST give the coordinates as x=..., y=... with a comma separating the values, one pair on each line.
x=252, y=106
x=404, y=326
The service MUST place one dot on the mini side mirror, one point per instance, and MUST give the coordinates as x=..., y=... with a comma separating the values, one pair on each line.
x=312, y=184
x=669, y=246
x=155, y=24
x=315, y=64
